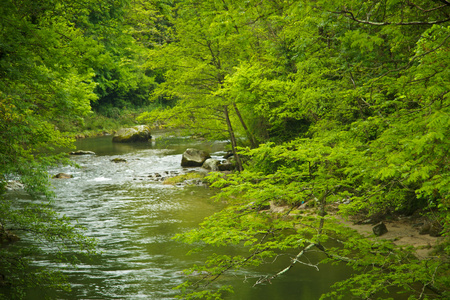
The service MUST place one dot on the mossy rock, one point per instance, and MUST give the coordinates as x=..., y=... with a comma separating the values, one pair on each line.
x=140, y=133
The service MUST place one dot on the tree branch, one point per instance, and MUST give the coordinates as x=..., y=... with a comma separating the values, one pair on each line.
x=351, y=16
x=304, y=250
x=413, y=59
x=294, y=260
x=428, y=10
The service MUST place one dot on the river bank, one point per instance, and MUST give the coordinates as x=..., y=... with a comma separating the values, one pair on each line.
x=402, y=231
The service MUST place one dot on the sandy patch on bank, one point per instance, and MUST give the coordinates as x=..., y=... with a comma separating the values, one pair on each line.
x=402, y=232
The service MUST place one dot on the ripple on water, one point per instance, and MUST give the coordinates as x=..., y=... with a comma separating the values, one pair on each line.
x=133, y=220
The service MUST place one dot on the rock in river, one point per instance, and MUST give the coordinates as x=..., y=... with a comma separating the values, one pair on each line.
x=140, y=133
x=211, y=164
x=63, y=176
x=82, y=152
x=215, y=165
x=119, y=160
x=194, y=158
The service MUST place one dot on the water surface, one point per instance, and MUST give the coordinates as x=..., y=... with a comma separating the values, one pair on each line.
x=134, y=217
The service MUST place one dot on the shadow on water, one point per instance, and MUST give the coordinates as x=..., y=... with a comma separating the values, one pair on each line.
x=134, y=219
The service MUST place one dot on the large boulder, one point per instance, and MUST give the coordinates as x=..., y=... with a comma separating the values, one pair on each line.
x=140, y=133
x=194, y=158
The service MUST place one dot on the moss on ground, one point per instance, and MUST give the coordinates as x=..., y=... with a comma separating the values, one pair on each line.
x=184, y=178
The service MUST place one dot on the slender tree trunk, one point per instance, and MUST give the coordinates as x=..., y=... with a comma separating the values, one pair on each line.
x=233, y=139
x=250, y=136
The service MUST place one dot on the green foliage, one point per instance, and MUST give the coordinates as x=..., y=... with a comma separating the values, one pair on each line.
x=47, y=233
x=206, y=45
x=125, y=33
x=356, y=95
x=26, y=140
x=57, y=58
x=46, y=79
x=188, y=177
x=349, y=101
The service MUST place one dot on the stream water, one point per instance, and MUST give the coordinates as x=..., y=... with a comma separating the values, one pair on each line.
x=134, y=217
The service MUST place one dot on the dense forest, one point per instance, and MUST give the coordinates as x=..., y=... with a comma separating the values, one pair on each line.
x=342, y=107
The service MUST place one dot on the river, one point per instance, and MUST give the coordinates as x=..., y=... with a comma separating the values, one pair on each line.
x=134, y=217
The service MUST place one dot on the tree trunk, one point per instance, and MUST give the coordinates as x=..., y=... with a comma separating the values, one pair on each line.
x=233, y=139
x=250, y=136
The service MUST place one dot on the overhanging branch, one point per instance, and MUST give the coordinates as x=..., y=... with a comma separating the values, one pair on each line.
x=351, y=16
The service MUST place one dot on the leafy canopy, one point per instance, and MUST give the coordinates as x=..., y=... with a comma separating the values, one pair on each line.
x=350, y=100
x=48, y=57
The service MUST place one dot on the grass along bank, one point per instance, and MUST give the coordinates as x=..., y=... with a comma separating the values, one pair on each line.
x=99, y=123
